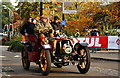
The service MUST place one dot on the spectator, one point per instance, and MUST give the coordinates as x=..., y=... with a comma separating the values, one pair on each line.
x=95, y=32
x=107, y=33
x=77, y=34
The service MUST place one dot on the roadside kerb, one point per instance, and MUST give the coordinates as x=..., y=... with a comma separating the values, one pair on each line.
x=107, y=59
x=106, y=55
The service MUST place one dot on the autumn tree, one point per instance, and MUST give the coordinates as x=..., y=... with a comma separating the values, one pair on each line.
x=89, y=14
x=6, y=17
x=92, y=14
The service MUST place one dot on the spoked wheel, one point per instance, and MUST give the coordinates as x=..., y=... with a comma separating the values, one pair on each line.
x=84, y=63
x=25, y=61
x=45, y=62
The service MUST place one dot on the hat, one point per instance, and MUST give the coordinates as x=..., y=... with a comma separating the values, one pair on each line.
x=44, y=16
x=77, y=30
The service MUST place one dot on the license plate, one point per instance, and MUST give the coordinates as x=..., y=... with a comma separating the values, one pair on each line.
x=47, y=46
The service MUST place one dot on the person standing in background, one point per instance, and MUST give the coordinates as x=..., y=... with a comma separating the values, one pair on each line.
x=77, y=34
x=95, y=32
x=107, y=33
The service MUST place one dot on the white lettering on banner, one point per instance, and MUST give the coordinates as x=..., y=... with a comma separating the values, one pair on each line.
x=110, y=42
x=87, y=40
x=97, y=43
x=81, y=39
x=91, y=41
x=75, y=41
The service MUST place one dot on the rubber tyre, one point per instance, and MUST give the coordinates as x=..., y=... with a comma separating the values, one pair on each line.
x=45, y=71
x=87, y=65
x=25, y=61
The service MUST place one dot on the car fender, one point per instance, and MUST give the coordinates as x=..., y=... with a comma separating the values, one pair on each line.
x=85, y=44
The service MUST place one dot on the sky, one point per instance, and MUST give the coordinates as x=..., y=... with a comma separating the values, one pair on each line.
x=13, y=2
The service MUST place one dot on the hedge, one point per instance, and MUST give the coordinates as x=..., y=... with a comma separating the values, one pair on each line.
x=15, y=44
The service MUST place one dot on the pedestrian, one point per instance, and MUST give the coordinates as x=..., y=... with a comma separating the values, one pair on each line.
x=95, y=32
x=77, y=34
x=107, y=33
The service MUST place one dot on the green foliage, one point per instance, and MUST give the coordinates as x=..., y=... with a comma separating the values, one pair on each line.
x=15, y=44
x=28, y=9
x=114, y=32
x=91, y=14
x=16, y=39
x=16, y=47
x=5, y=13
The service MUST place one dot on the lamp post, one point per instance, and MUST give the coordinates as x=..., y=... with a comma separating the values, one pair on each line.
x=63, y=17
x=9, y=33
x=41, y=8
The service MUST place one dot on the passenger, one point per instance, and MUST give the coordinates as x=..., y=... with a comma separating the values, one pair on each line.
x=57, y=26
x=27, y=31
x=28, y=28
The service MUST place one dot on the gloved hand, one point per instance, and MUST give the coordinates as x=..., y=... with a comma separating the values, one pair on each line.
x=50, y=30
x=41, y=30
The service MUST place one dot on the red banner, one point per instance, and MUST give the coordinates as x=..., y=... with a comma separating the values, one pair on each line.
x=94, y=42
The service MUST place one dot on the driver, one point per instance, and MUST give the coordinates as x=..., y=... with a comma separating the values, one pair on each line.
x=44, y=28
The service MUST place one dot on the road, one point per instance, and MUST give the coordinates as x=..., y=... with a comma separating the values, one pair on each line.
x=12, y=68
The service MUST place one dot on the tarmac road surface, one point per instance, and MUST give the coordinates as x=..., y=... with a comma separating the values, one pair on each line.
x=12, y=68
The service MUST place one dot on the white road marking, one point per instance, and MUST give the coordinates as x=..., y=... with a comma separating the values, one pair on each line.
x=3, y=74
x=8, y=75
x=17, y=56
x=2, y=56
x=3, y=46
